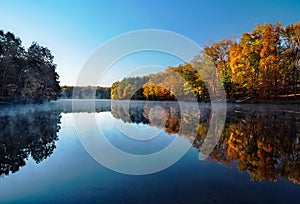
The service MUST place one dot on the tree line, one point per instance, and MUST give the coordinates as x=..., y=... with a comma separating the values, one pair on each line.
x=261, y=64
x=26, y=76
x=85, y=92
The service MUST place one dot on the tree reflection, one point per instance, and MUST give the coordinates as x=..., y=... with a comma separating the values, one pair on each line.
x=131, y=112
x=264, y=143
x=262, y=140
x=165, y=115
x=24, y=134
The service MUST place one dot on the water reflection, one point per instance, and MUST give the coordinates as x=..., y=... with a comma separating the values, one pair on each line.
x=263, y=140
x=162, y=115
x=26, y=133
x=174, y=118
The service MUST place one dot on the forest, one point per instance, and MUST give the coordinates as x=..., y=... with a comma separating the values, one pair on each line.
x=26, y=76
x=261, y=64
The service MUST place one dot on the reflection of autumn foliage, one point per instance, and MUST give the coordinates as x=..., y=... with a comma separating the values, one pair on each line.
x=169, y=118
x=263, y=144
x=138, y=112
x=172, y=125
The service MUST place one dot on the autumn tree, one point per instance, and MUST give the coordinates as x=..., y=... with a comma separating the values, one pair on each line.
x=269, y=64
x=129, y=88
x=291, y=56
x=263, y=63
x=219, y=52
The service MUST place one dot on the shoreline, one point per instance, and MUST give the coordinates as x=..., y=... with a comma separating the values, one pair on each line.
x=283, y=101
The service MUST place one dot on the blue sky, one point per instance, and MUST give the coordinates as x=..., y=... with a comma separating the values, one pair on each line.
x=74, y=29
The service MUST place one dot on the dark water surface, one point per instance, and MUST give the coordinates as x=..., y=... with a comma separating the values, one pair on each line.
x=256, y=159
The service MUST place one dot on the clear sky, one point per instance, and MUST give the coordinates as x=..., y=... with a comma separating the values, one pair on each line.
x=74, y=29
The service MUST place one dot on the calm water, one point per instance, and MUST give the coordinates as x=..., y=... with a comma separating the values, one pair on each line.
x=42, y=158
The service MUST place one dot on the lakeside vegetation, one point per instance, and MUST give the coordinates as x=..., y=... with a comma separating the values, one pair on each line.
x=26, y=76
x=261, y=64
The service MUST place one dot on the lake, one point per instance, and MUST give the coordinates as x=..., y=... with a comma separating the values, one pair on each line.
x=149, y=152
